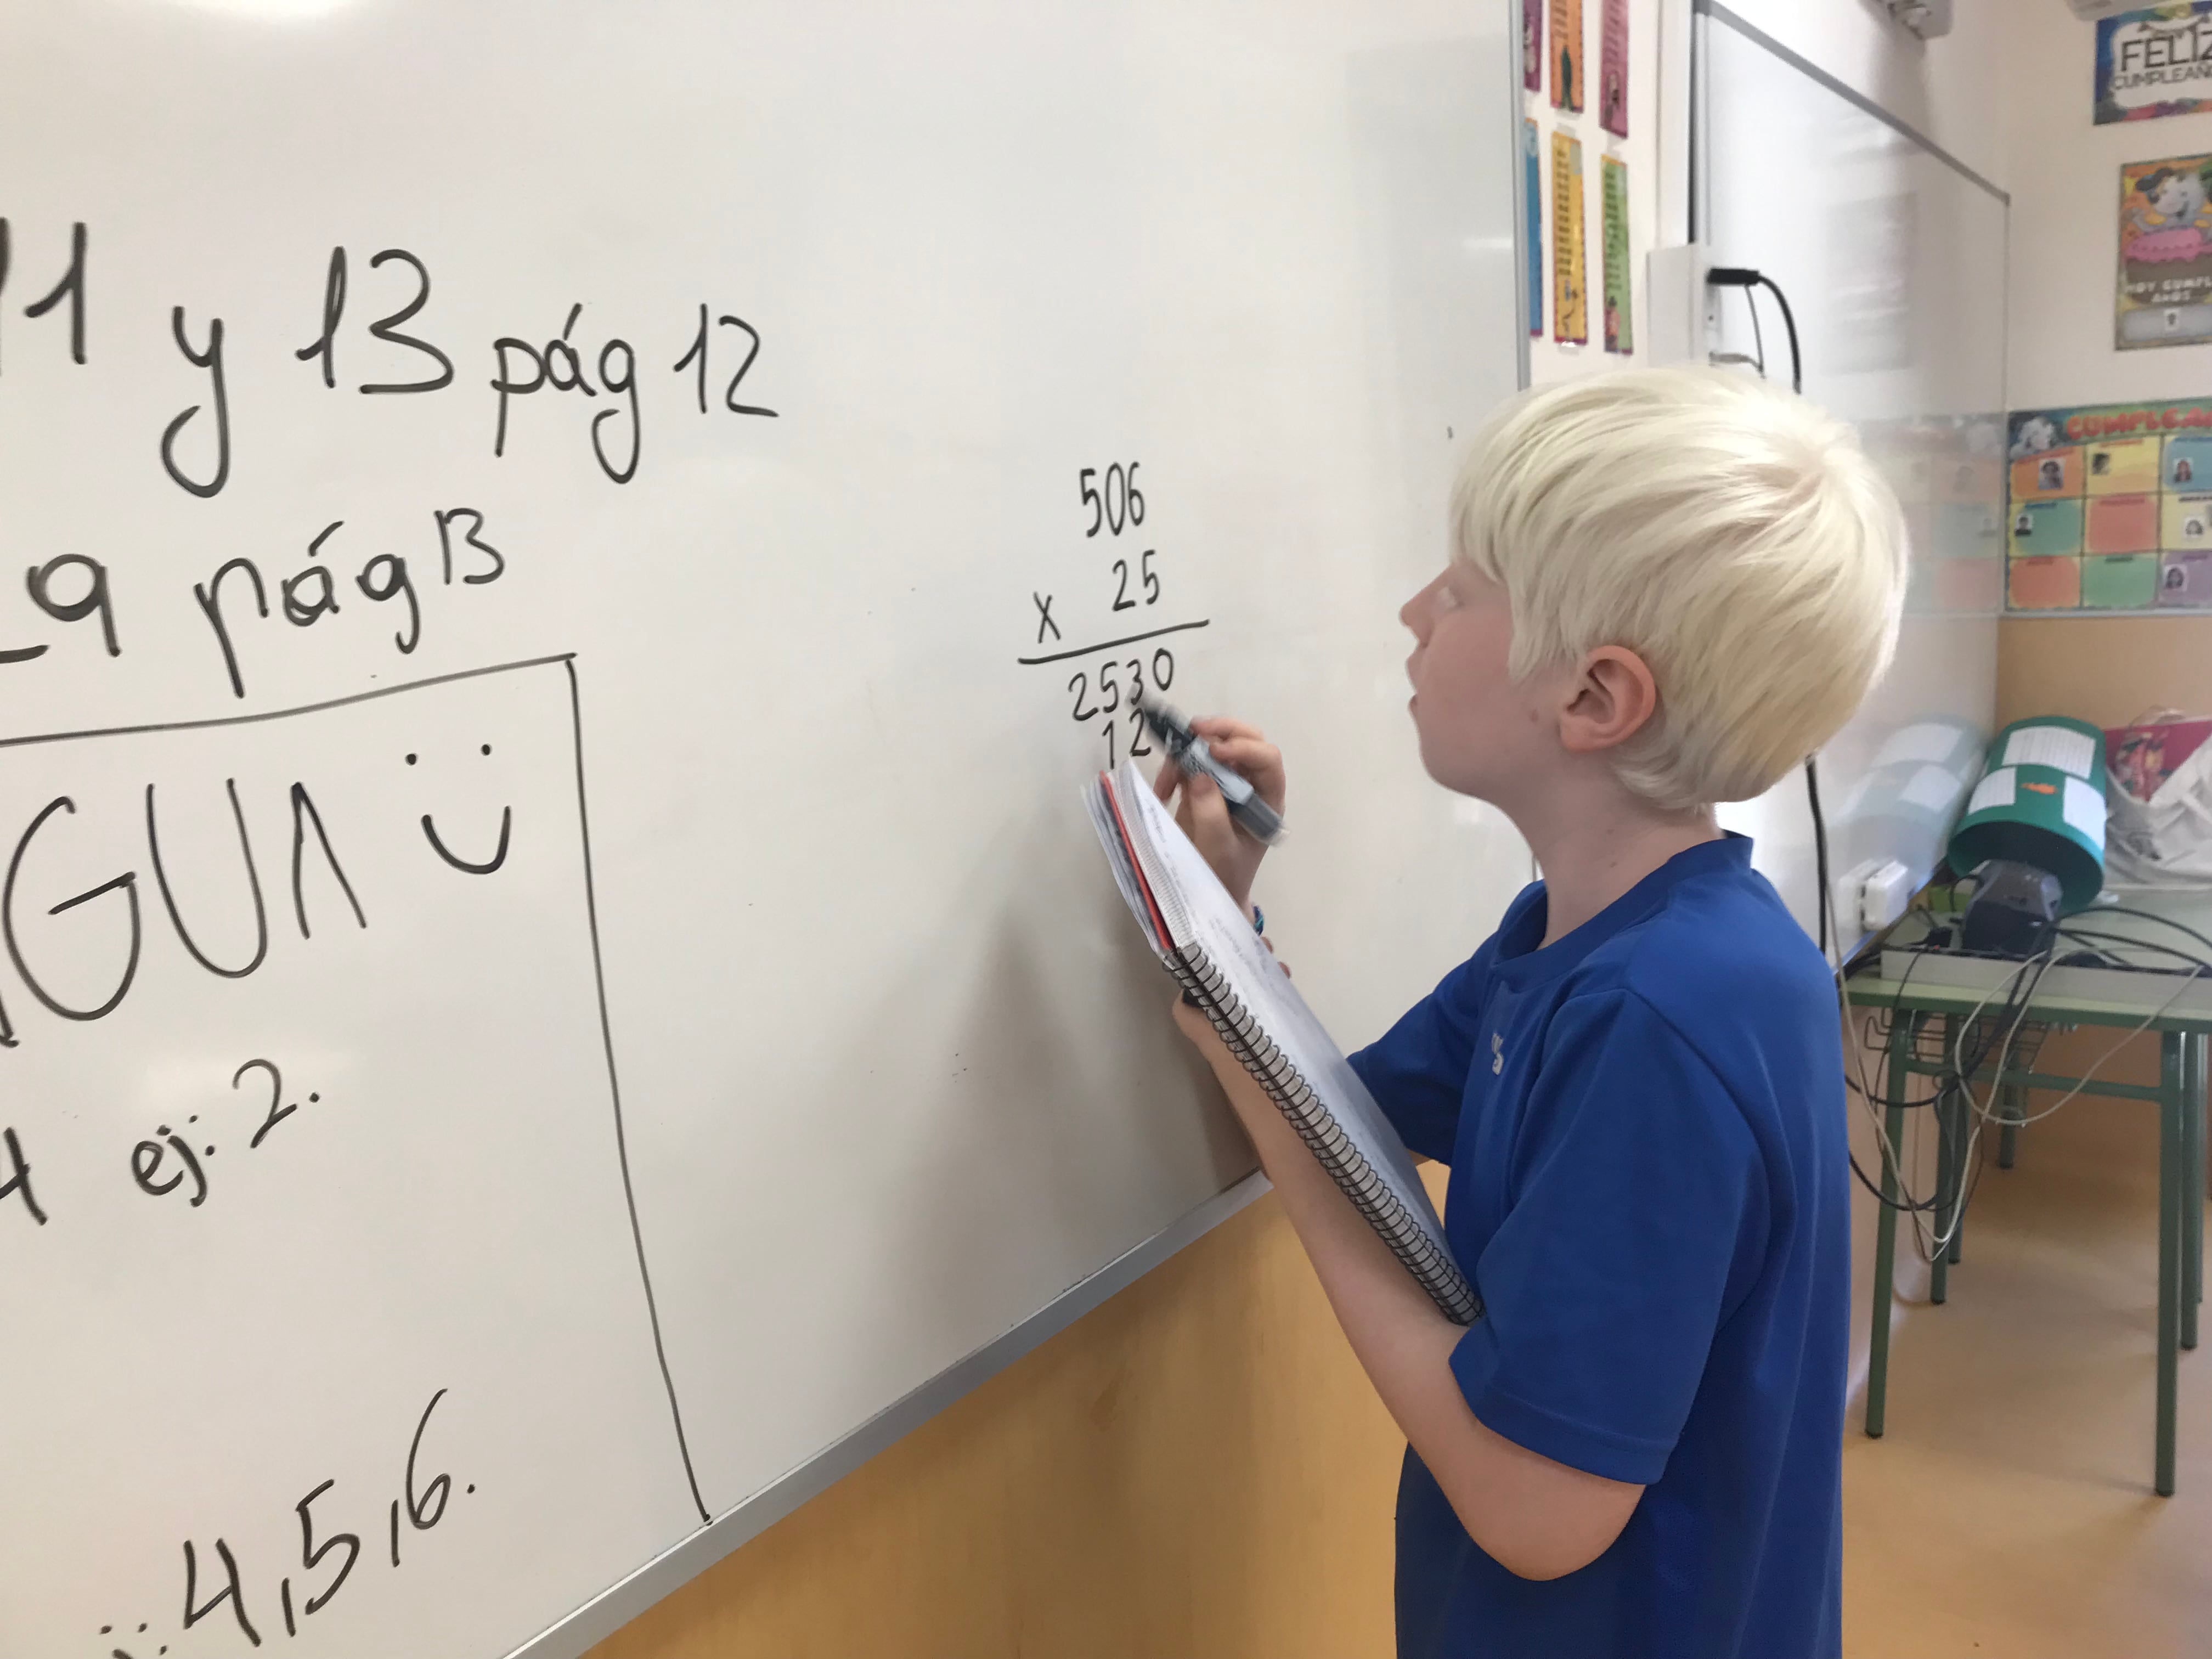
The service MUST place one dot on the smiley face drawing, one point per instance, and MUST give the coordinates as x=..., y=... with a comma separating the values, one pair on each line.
x=469, y=866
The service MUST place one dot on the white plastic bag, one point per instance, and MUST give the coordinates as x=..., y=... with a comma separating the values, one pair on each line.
x=2163, y=839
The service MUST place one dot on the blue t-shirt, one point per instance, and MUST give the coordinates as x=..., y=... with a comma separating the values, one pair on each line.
x=1645, y=1125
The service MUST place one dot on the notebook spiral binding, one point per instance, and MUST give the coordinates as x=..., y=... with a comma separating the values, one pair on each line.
x=1432, y=1269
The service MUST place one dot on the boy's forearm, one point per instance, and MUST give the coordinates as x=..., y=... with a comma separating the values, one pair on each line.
x=1536, y=1517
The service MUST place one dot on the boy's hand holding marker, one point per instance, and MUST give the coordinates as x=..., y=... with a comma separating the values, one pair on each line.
x=1232, y=852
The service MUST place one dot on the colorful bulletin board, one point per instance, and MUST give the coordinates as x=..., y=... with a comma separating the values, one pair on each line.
x=2110, y=507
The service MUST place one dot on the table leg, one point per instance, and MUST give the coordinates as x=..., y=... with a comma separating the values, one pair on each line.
x=2192, y=1184
x=1950, y=1111
x=1885, y=1229
x=1939, y=1270
x=1962, y=1125
x=2170, y=1188
x=2012, y=1107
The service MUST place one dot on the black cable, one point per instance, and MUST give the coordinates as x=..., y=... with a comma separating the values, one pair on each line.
x=2148, y=915
x=1788, y=322
x=1819, y=848
x=1896, y=1007
x=1744, y=277
x=1973, y=1182
x=1953, y=1077
x=1907, y=1204
x=2200, y=967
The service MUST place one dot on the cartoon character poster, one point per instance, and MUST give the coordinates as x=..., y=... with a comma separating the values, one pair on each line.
x=2165, y=295
x=1613, y=70
x=1567, y=67
x=1619, y=305
x=1531, y=44
x=1532, y=198
x=1570, y=290
x=2110, y=507
x=2154, y=62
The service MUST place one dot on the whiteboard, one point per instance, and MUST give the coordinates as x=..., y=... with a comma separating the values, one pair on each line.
x=1894, y=254
x=557, y=989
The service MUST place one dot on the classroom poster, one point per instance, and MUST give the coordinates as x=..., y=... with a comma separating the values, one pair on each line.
x=2110, y=507
x=1619, y=306
x=1570, y=298
x=2165, y=294
x=1613, y=70
x=1531, y=44
x=2154, y=62
x=1532, y=195
x=1567, y=67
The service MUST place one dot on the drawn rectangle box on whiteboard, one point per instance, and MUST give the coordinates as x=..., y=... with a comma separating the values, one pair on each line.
x=443, y=1217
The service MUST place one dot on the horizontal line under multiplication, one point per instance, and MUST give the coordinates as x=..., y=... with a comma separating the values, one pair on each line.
x=1115, y=645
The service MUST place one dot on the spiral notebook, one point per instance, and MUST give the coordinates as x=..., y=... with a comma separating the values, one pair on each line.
x=1208, y=944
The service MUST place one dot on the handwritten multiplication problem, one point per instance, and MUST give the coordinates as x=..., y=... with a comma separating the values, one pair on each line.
x=370, y=323
x=221, y=1584
x=1118, y=595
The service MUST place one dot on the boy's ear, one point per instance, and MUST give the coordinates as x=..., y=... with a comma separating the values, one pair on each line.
x=1610, y=700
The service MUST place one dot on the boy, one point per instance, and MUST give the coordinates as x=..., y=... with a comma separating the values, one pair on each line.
x=1666, y=589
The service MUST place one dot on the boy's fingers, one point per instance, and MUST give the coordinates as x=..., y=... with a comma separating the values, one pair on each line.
x=1169, y=780
x=1261, y=762
x=1247, y=755
x=1221, y=726
x=1209, y=812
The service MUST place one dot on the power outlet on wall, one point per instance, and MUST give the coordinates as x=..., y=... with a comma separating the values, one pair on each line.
x=1683, y=308
x=1872, y=895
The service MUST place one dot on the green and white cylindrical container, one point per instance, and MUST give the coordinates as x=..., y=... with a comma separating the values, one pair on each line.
x=2040, y=802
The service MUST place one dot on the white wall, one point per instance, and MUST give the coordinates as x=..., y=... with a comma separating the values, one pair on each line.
x=1952, y=89
x=2065, y=237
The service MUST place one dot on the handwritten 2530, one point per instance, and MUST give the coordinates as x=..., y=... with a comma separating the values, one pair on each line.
x=1119, y=684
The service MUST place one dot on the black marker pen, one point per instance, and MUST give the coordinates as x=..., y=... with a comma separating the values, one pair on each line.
x=1188, y=750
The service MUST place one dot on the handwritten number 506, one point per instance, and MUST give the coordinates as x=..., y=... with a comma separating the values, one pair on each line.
x=1117, y=507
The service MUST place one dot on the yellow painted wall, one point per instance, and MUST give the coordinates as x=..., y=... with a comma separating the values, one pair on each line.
x=1197, y=1468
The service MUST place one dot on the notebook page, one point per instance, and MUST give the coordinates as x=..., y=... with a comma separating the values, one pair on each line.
x=1199, y=911
x=1098, y=802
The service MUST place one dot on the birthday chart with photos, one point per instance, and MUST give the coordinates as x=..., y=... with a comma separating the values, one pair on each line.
x=2110, y=507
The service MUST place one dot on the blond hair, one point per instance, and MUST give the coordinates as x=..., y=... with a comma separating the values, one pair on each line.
x=1732, y=534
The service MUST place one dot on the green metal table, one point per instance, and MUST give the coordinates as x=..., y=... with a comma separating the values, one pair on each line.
x=1927, y=992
